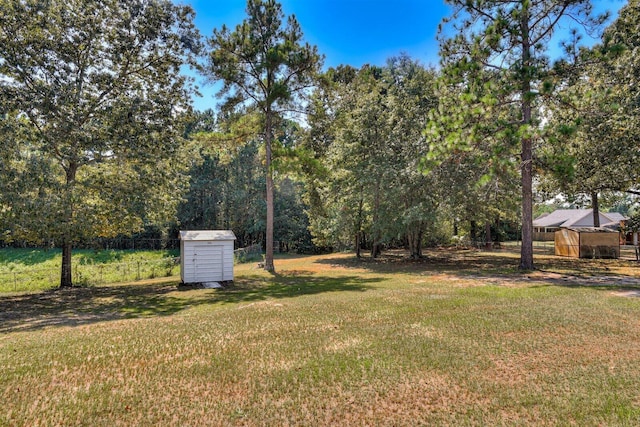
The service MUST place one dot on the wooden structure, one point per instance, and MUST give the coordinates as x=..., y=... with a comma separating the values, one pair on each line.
x=206, y=256
x=587, y=242
x=546, y=225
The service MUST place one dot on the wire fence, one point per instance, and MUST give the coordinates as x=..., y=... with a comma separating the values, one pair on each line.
x=28, y=279
x=539, y=247
x=89, y=274
x=626, y=253
x=123, y=243
x=250, y=253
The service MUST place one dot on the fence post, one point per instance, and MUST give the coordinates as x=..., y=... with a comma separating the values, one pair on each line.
x=138, y=276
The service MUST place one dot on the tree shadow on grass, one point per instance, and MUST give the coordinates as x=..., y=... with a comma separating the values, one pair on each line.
x=257, y=288
x=465, y=262
x=85, y=305
x=434, y=261
x=500, y=268
x=88, y=305
x=27, y=256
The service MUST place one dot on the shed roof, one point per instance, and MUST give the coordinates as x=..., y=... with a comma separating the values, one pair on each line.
x=560, y=217
x=590, y=230
x=207, y=235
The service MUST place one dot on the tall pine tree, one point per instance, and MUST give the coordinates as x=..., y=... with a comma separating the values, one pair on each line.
x=265, y=66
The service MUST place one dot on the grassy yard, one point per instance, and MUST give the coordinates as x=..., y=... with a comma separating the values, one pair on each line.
x=461, y=338
x=38, y=269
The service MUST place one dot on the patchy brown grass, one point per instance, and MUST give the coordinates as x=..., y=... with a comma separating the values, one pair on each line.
x=458, y=338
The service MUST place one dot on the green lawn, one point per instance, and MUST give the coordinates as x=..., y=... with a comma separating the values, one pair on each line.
x=461, y=338
x=38, y=269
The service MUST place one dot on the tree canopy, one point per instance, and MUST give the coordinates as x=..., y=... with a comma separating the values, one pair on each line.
x=498, y=59
x=91, y=99
x=366, y=129
x=264, y=65
x=98, y=137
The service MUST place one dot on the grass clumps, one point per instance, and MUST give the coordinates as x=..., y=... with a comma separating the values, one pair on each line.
x=331, y=340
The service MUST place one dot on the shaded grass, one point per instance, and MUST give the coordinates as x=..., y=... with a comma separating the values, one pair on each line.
x=80, y=306
x=498, y=262
x=328, y=341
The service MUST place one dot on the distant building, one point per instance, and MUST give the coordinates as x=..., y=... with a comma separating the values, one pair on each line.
x=546, y=225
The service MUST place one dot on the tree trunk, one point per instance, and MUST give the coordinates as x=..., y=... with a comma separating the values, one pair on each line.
x=65, y=273
x=488, y=243
x=410, y=239
x=596, y=209
x=415, y=244
x=375, y=245
x=375, y=249
x=526, y=250
x=359, y=232
x=268, y=261
x=375, y=233
x=65, y=276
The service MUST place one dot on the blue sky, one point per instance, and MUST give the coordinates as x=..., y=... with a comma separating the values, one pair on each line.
x=354, y=32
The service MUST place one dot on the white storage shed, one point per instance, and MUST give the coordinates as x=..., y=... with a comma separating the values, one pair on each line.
x=206, y=256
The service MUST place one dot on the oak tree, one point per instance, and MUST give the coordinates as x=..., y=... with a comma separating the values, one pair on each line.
x=91, y=100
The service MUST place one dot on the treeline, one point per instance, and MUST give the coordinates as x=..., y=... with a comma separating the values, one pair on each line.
x=354, y=177
x=226, y=191
x=98, y=139
x=406, y=155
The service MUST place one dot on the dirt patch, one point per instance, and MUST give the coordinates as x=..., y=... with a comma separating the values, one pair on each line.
x=631, y=293
x=551, y=278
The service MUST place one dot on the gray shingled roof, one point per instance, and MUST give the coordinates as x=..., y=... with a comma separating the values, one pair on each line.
x=559, y=217
x=569, y=217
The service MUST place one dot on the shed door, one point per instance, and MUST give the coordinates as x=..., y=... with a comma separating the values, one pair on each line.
x=207, y=262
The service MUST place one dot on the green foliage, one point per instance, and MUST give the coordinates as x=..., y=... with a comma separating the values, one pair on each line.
x=633, y=223
x=264, y=66
x=494, y=74
x=226, y=188
x=227, y=195
x=91, y=100
x=593, y=127
x=365, y=128
x=291, y=223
